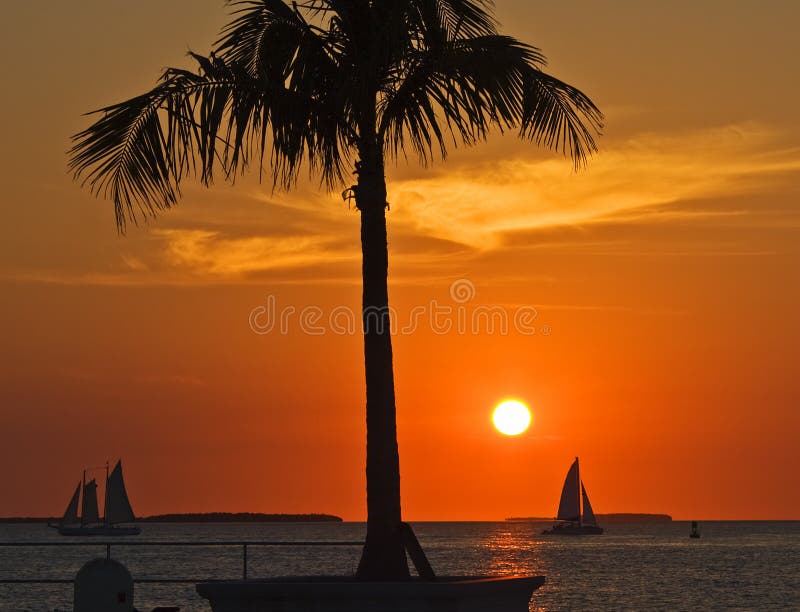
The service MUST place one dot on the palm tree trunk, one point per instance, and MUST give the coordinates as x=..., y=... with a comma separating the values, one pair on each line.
x=383, y=557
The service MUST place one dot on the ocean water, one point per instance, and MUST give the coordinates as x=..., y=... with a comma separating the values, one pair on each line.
x=734, y=566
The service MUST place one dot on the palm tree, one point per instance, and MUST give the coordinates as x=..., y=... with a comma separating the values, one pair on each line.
x=337, y=85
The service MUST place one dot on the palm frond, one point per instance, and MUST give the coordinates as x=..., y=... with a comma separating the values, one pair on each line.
x=466, y=87
x=272, y=40
x=138, y=151
x=127, y=156
x=560, y=117
x=453, y=18
x=456, y=75
x=298, y=61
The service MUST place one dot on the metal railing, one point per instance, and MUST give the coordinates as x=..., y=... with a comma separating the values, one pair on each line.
x=108, y=545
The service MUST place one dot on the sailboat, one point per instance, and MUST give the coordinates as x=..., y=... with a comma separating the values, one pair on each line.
x=118, y=509
x=575, y=520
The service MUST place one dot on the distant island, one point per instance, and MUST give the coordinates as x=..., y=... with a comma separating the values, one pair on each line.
x=207, y=517
x=609, y=519
x=240, y=517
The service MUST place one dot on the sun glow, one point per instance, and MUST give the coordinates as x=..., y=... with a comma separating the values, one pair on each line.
x=511, y=417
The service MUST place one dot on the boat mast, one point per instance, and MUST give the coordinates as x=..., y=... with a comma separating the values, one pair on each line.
x=578, y=491
x=105, y=499
x=83, y=493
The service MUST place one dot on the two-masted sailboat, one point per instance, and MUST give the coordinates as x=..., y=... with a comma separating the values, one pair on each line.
x=575, y=520
x=118, y=509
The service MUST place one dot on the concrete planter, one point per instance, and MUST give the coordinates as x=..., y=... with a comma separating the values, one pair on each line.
x=335, y=594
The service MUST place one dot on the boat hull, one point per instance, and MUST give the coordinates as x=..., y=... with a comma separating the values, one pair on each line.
x=574, y=530
x=99, y=531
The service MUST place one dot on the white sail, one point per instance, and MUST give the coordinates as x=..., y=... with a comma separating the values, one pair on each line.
x=89, y=512
x=71, y=513
x=569, y=509
x=588, y=514
x=118, y=506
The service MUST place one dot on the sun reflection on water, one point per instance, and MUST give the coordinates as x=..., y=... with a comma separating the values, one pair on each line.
x=517, y=549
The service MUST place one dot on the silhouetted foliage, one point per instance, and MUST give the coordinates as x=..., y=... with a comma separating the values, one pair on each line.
x=304, y=82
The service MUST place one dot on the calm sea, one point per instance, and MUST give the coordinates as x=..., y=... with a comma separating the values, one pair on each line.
x=734, y=566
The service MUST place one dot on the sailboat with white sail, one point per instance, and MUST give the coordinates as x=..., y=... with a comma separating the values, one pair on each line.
x=118, y=510
x=575, y=518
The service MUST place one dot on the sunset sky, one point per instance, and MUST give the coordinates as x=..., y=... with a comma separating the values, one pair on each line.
x=666, y=278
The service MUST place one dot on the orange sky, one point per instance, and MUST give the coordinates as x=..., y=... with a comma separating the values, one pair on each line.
x=666, y=275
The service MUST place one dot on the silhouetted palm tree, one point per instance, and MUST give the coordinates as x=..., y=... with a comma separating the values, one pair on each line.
x=338, y=85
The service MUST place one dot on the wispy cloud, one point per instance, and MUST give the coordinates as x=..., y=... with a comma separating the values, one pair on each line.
x=134, y=263
x=476, y=205
x=455, y=213
x=207, y=252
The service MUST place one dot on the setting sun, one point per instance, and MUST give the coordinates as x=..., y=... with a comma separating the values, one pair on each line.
x=511, y=417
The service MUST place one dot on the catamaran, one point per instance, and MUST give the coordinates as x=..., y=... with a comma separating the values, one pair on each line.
x=118, y=509
x=574, y=520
